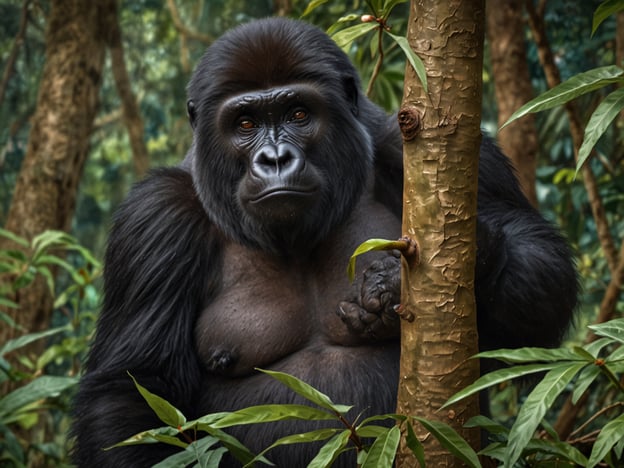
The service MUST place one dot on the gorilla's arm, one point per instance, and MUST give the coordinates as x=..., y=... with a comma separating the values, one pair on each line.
x=525, y=282
x=155, y=280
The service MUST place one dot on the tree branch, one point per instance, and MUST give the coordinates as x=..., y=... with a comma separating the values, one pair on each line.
x=182, y=29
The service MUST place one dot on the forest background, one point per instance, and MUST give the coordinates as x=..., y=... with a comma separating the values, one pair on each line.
x=125, y=112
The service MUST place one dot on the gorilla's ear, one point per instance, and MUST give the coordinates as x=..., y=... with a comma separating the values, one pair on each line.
x=352, y=93
x=191, y=112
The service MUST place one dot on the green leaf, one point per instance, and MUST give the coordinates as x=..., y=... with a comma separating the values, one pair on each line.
x=611, y=434
x=613, y=329
x=346, y=36
x=270, y=413
x=522, y=355
x=496, y=377
x=574, y=87
x=46, y=386
x=486, y=423
x=312, y=6
x=596, y=346
x=194, y=452
x=389, y=6
x=312, y=436
x=330, y=451
x=21, y=341
x=560, y=449
x=535, y=407
x=598, y=123
x=165, y=411
x=452, y=441
x=414, y=444
x=414, y=60
x=369, y=246
x=604, y=10
x=585, y=379
x=14, y=237
x=307, y=391
x=166, y=435
x=233, y=445
x=371, y=431
x=383, y=450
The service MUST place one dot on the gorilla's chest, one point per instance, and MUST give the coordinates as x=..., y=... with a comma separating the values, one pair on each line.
x=269, y=307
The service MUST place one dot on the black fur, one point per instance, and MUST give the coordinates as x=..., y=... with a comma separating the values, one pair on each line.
x=202, y=284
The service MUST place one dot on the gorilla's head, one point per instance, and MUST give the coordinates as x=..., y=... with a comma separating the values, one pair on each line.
x=280, y=152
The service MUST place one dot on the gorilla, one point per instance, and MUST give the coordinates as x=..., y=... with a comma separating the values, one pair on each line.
x=236, y=258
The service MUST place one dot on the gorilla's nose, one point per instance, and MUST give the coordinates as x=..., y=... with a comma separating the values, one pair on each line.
x=282, y=160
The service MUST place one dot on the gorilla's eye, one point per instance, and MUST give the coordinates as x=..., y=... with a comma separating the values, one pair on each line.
x=299, y=114
x=246, y=124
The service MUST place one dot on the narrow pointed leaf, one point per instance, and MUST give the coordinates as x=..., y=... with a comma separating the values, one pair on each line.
x=598, y=123
x=535, y=407
x=574, y=87
x=307, y=391
x=452, y=441
x=604, y=10
x=16, y=343
x=383, y=450
x=414, y=60
x=523, y=355
x=369, y=246
x=414, y=444
x=330, y=451
x=312, y=6
x=613, y=329
x=270, y=413
x=496, y=377
x=346, y=36
x=611, y=434
x=165, y=411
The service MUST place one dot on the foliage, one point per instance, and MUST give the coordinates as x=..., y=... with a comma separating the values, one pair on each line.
x=34, y=396
x=375, y=444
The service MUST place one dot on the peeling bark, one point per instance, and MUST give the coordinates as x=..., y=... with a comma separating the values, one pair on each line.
x=439, y=212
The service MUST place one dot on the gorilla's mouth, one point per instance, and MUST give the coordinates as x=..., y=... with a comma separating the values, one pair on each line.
x=283, y=192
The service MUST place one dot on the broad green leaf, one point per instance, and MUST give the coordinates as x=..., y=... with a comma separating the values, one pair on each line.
x=307, y=391
x=43, y=387
x=389, y=6
x=414, y=444
x=270, y=413
x=585, y=379
x=613, y=329
x=604, y=10
x=166, y=435
x=371, y=431
x=21, y=341
x=611, y=434
x=383, y=450
x=414, y=60
x=191, y=453
x=233, y=445
x=369, y=246
x=598, y=123
x=535, y=407
x=305, y=437
x=595, y=347
x=496, y=377
x=165, y=411
x=570, y=89
x=561, y=449
x=346, y=36
x=14, y=237
x=330, y=451
x=486, y=423
x=312, y=6
x=452, y=441
x=523, y=355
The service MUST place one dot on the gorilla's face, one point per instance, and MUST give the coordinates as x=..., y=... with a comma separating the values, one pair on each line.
x=280, y=155
x=275, y=133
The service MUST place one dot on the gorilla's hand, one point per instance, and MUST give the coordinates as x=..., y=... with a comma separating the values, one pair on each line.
x=372, y=314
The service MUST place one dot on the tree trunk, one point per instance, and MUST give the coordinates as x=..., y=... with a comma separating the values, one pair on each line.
x=45, y=193
x=439, y=213
x=512, y=84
